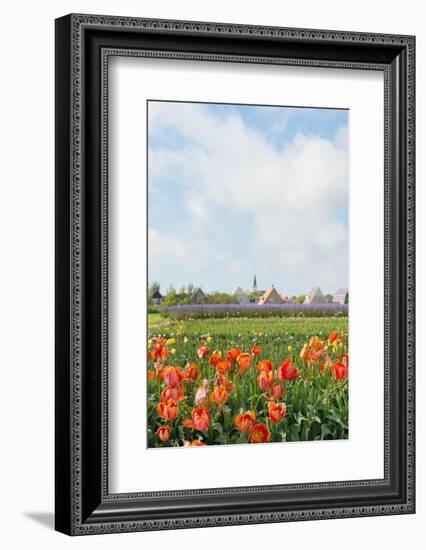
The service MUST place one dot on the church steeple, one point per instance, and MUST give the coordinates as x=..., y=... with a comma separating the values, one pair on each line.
x=254, y=282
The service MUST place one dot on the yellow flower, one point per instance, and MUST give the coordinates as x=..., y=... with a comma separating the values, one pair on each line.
x=173, y=351
x=290, y=349
x=170, y=342
x=209, y=338
x=185, y=340
x=260, y=333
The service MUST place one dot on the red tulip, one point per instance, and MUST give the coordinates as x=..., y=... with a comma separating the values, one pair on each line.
x=276, y=412
x=169, y=410
x=233, y=354
x=200, y=419
x=163, y=433
x=288, y=371
x=245, y=421
x=244, y=362
x=340, y=371
x=256, y=350
x=264, y=380
x=277, y=391
x=172, y=376
x=219, y=395
x=260, y=434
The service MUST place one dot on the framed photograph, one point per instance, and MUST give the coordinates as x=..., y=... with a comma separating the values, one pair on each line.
x=234, y=219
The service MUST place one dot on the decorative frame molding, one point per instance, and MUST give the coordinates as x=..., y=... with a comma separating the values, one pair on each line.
x=84, y=43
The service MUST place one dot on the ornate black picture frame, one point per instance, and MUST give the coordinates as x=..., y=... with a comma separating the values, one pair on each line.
x=84, y=44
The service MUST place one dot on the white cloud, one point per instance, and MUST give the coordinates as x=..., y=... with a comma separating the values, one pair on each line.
x=295, y=198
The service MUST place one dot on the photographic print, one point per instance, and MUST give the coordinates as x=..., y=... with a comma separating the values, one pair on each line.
x=248, y=261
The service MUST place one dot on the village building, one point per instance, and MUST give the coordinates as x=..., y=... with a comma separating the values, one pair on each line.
x=157, y=298
x=341, y=296
x=241, y=296
x=315, y=296
x=270, y=296
x=198, y=296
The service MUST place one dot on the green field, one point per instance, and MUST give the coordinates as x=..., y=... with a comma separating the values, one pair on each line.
x=232, y=327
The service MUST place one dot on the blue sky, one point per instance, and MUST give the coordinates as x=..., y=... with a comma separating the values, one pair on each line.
x=235, y=190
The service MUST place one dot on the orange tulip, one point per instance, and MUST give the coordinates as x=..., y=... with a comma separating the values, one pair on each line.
x=177, y=394
x=276, y=412
x=304, y=354
x=151, y=375
x=202, y=351
x=265, y=365
x=316, y=344
x=332, y=337
x=233, y=354
x=219, y=395
x=288, y=371
x=260, y=434
x=214, y=359
x=190, y=372
x=244, y=362
x=169, y=410
x=340, y=371
x=256, y=350
x=223, y=367
x=277, y=391
x=163, y=433
x=159, y=351
x=245, y=421
x=194, y=443
x=200, y=419
x=222, y=380
x=172, y=376
x=264, y=380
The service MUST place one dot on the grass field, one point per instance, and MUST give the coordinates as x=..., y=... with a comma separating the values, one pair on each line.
x=314, y=403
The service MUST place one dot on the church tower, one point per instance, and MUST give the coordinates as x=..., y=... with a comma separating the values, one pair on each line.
x=254, y=283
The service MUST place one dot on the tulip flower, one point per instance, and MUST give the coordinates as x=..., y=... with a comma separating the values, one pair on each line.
x=177, y=394
x=265, y=365
x=190, y=372
x=172, y=376
x=276, y=412
x=169, y=410
x=340, y=371
x=316, y=344
x=264, y=380
x=219, y=395
x=277, y=391
x=233, y=354
x=159, y=351
x=163, y=433
x=223, y=367
x=203, y=351
x=288, y=371
x=215, y=358
x=256, y=350
x=222, y=380
x=245, y=421
x=194, y=443
x=260, y=434
x=244, y=362
x=200, y=419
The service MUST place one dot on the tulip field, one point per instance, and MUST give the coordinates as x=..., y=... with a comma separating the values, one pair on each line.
x=246, y=380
